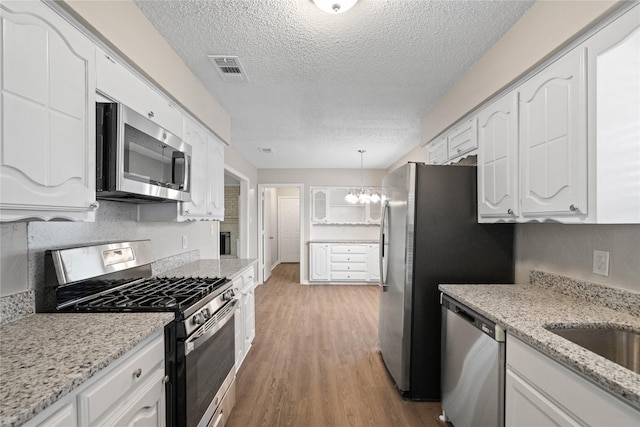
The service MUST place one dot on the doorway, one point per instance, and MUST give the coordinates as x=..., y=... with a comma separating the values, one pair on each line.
x=280, y=226
x=234, y=230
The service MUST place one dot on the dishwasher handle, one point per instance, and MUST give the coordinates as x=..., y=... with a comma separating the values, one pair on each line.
x=477, y=320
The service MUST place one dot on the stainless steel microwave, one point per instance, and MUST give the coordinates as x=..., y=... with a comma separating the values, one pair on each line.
x=137, y=160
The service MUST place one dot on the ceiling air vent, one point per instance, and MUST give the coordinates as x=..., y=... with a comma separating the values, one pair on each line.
x=265, y=150
x=229, y=68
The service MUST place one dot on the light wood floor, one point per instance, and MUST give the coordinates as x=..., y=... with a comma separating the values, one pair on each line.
x=315, y=361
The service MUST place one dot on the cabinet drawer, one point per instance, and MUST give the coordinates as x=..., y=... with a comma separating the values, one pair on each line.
x=349, y=275
x=348, y=249
x=437, y=152
x=96, y=400
x=349, y=266
x=349, y=257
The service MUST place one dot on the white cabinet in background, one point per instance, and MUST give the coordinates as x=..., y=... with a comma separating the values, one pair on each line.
x=245, y=315
x=215, y=179
x=343, y=262
x=117, y=82
x=498, y=159
x=328, y=206
x=47, y=151
x=129, y=392
x=541, y=391
x=462, y=139
x=553, y=139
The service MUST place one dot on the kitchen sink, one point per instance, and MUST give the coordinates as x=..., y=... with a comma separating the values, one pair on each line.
x=618, y=345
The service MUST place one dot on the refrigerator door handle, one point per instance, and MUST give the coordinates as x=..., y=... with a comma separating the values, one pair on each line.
x=383, y=237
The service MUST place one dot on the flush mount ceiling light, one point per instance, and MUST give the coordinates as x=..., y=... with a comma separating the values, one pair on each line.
x=361, y=195
x=335, y=6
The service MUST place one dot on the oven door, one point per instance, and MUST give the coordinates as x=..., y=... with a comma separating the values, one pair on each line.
x=210, y=365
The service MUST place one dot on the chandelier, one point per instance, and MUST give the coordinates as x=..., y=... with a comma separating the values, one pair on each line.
x=361, y=195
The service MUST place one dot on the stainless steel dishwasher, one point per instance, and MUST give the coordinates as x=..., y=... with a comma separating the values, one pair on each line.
x=473, y=366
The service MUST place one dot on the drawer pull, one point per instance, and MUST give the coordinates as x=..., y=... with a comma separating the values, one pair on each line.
x=137, y=372
x=150, y=114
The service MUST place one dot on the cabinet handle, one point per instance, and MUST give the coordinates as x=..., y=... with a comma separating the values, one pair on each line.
x=573, y=208
x=165, y=379
x=110, y=59
x=150, y=114
x=211, y=213
x=186, y=212
x=94, y=205
x=459, y=150
x=137, y=372
x=509, y=211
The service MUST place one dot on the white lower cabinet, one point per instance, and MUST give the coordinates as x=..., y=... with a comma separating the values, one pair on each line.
x=344, y=262
x=245, y=315
x=47, y=111
x=541, y=392
x=129, y=392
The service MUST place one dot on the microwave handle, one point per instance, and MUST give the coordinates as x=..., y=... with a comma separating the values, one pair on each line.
x=184, y=181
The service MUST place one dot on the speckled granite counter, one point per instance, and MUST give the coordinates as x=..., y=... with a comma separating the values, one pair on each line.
x=229, y=268
x=525, y=310
x=45, y=356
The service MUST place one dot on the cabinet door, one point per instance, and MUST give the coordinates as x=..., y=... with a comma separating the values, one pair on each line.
x=614, y=125
x=118, y=83
x=146, y=407
x=196, y=137
x=319, y=201
x=47, y=150
x=553, y=139
x=215, y=179
x=526, y=407
x=249, y=318
x=239, y=325
x=373, y=263
x=437, y=152
x=462, y=139
x=319, y=262
x=498, y=159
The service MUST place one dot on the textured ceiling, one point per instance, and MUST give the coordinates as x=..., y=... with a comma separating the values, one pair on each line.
x=323, y=86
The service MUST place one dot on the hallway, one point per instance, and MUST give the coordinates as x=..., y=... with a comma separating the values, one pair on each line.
x=314, y=361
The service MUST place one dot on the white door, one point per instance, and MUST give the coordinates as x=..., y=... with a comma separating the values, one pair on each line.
x=289, y=229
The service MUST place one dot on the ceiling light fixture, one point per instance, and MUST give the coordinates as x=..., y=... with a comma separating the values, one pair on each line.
x=361, y=195
x=335, y=6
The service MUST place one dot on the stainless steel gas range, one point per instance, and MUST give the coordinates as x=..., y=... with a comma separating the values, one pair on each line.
x=199, y=343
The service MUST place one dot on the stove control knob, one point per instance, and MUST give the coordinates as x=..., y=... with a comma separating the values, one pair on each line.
x=206, y=313
x=198, y=319
x=228, y=296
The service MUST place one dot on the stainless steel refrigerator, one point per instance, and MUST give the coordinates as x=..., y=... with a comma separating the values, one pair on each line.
x=430, y=235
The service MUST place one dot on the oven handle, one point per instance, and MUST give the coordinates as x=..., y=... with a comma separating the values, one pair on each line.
x=197, y=340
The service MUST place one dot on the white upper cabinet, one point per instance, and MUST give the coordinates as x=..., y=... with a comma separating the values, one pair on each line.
x=117, y=82
x=553, y=143
x=328, y=206
x=215, y=178
x=498, y=159
x=437, y=152
x=47, y=151
x=614, y=109
x=462, y=139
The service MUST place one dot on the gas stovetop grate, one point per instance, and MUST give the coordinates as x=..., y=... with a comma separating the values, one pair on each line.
x=154, y=294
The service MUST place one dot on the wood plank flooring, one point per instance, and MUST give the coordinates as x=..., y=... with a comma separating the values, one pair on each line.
x=315, y=361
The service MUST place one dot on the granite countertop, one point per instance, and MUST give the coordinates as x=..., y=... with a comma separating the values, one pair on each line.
x=345, y=242
x=525, y=310
x=229, y=268
x=43, y=357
